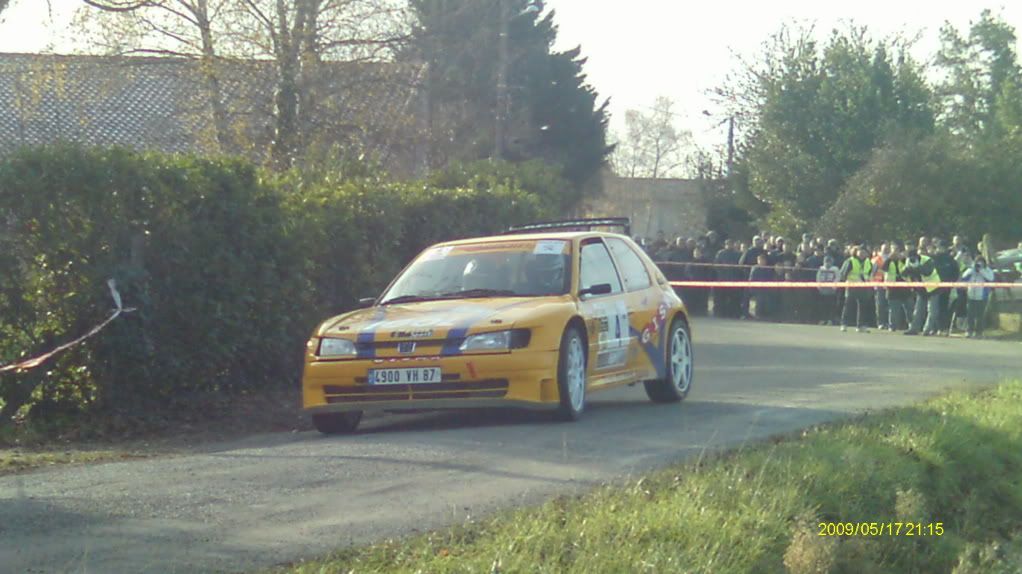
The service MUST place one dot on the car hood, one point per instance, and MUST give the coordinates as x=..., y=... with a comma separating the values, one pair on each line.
x=438, y=319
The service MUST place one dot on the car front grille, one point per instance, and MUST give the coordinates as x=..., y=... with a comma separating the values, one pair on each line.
x=485, y=389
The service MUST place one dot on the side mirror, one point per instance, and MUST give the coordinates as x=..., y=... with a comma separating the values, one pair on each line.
x=598, y=289
x=365, y=302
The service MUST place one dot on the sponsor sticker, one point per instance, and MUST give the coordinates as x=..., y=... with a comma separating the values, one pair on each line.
x=437, y=253
x=613, y=335
x=500, y=246
x=549, y=247
x=419, y=334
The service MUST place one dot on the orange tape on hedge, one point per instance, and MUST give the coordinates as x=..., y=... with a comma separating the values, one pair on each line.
x=36, y=361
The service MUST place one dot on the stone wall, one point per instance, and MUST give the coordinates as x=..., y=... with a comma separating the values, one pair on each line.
x=675, y=206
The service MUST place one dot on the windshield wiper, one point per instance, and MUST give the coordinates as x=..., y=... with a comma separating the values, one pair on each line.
x=471, y=293
x=409, y=299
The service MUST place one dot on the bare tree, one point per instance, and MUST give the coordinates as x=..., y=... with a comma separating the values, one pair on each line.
x=183, y=28
x=652, y=146
x=295, y=37
x=298, y=36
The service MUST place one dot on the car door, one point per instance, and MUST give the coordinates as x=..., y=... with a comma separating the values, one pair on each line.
x=642, y=301
x=606, y=315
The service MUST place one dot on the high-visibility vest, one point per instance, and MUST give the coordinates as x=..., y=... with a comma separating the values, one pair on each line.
x=878, y=268
x=859, y=271
x=932, y=277
x=894, y=271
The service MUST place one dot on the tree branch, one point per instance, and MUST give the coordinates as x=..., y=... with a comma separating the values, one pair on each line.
x=118, y=6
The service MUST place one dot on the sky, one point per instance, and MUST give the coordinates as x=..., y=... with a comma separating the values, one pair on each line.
x=640, y=49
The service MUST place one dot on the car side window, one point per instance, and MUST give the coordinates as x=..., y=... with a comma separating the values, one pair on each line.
x=597, y=267
x=633, y=270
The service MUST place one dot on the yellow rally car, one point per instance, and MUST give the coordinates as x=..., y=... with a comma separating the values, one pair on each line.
x=536, y=318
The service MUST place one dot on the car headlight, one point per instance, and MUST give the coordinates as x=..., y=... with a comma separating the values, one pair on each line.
x=496, y=341
x=337, y=348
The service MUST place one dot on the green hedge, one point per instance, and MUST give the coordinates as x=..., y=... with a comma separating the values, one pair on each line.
x=228, y=266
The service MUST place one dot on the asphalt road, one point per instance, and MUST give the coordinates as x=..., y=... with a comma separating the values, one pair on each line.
x=282, y=497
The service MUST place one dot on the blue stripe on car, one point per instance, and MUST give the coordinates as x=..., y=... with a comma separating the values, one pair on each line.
x=654, y=352
x=364, y=340
x=364, y=345
x=456, y=336
x=452, y=344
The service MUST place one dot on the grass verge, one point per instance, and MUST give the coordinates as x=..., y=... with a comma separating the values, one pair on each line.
x=955, y=460
x=14, y=460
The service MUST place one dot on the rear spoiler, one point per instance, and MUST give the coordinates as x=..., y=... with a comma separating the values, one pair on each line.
x=573, y=225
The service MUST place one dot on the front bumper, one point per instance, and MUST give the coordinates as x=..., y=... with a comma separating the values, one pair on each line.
x=521, y=378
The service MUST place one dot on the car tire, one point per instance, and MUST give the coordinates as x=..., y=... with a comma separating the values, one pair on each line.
x=571, y=375
x=337, y=423
x=680, y=366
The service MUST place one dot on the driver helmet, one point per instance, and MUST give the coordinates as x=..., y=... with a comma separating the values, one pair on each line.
x=545, y=273
x=481, y=273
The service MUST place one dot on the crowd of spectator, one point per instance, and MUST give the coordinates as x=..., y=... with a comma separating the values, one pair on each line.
x=916, y=310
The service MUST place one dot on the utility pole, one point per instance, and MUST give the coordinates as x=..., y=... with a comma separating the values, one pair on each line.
x=730, y=143
x=502, y=62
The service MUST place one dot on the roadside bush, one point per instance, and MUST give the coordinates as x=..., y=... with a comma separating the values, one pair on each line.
x=198, y=246
x=543, y=180
x=229, y=268
x=357, y=234
x=933, y=186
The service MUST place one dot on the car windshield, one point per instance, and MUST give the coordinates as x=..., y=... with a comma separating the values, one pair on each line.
x=496, y=269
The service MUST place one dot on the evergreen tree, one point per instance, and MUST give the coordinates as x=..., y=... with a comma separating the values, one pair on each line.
x=552, y=114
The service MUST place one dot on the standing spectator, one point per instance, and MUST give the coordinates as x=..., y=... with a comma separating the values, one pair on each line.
x=690, y=245
x=762, y=272
x=806, y=247
x=897, y=298
x=828, y=273
x=957, y=244
x=679, y=252
x=786, y=255
x=659, y=245
x=749, y=258
x=670, y=259
x=774, y=252
x=959, y=297
x=713, y=243
x=857, y=269
x=920, y=268
x=791, y=306
x=697, y=299
x=814, y=259
x=806, y=271
x=727, y=302
x=835, y=252
x=667, y=253
x=947, y=270
x=879, y=261
x=978, y=274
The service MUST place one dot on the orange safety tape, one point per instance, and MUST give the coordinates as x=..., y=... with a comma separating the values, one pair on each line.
x=36, y=361
x=838, y=285
x=711, y=264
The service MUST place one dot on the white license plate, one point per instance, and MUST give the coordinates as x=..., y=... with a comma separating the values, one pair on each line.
x=404, y=376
